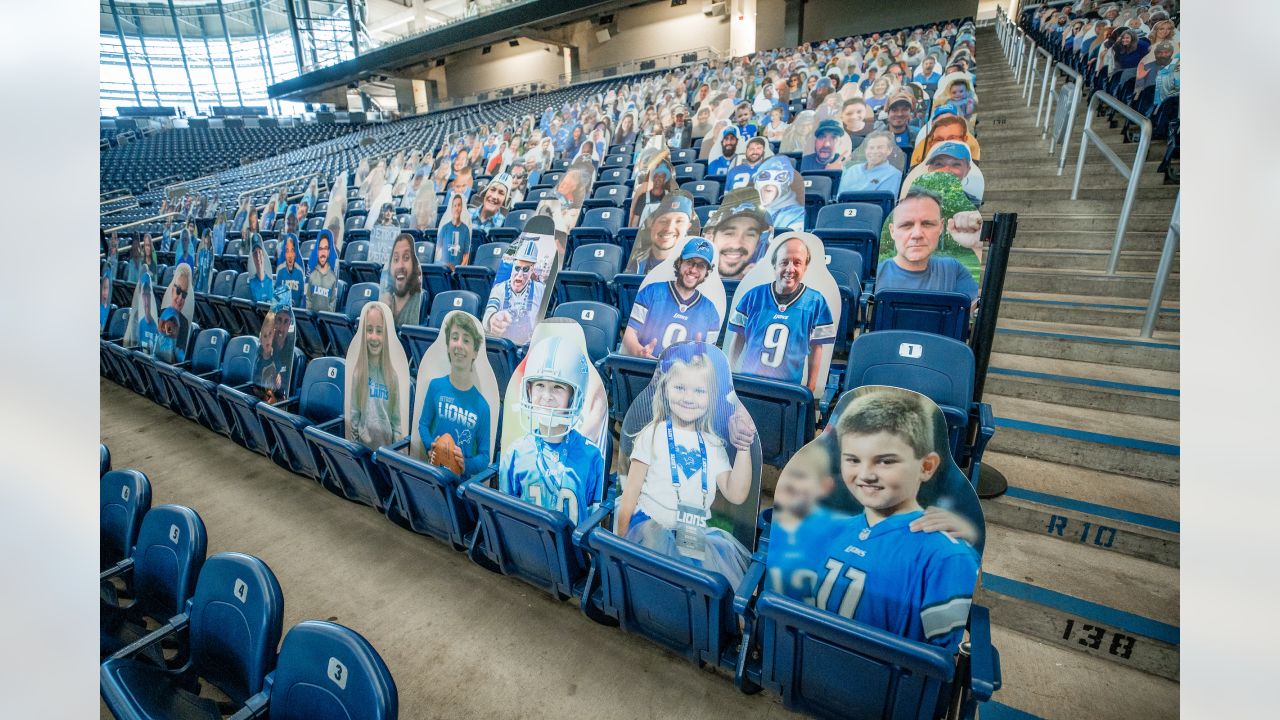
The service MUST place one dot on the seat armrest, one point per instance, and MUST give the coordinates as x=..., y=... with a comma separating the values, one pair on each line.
x=257, y=706
x=481, y=478
x=984, y=658
x=581, y=532
x=748, y=590
x=176, y=624
x=120, y=568
x=328, y=427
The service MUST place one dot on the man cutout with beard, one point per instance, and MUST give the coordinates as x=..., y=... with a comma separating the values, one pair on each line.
x=674, y=311
x=667, y=228
x=737, y=230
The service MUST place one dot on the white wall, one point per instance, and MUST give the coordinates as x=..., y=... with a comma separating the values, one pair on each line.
x=836, y=18
x=654, y=29
x=471, y=72
x=771, y=21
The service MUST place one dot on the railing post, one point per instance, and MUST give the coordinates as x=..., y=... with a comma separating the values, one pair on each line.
x=1084, y=146
x=1044, y=86
x=1029, y=78
x=1078, y=81
x=1171, y=240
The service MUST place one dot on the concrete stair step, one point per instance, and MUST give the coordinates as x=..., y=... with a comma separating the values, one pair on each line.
x=1073, y=392
x=1147, y=196
x=1021, y=258
x=1095, y=348
x=1046, y=178
x=1143, y=501
x=1166, y=305
x=1101, y=375
x=1047, y=680
x=1123, y=610
x=1122, y=284
x=1038, y=232
x=1116, y=424
x=1127, y=316
x=1058, y=203
x=1043, y=164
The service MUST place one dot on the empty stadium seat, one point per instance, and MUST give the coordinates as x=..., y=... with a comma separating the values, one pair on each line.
x=613, y=176
x=884, y=199
x=598, y=225
x=477, y=276
x=124, y=497
x=320, y=400
x=784, y=414
x=234, y=590
x=237, y=368
x=590, y=274
x=205, y=357
x=932, y=311
x=241, y=404
x=338, y=327
x=447, y=302
x=160, y=574
x=704, y=192
x=427, y=497
x=600, y=323
x=853, y=226
x=512, y=225
x=607, y=196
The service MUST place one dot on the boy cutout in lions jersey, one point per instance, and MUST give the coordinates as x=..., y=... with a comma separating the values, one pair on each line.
x=554, y=466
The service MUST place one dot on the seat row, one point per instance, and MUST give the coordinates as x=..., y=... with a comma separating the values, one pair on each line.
x=217, y=622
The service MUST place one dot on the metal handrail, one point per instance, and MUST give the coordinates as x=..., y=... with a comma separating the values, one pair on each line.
x=119, y=209
x=1044, y=81
x=1130, y=174
x=118, y=228
x=1171, y=240
x=1071, y=116
x=277, y=184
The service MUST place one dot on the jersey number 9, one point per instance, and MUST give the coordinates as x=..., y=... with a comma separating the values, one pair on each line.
x=775, y=342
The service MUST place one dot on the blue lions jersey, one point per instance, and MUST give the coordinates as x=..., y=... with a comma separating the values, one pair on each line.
x=916, y=584
x=462, y=414
x=738, y=177
x=565, y=476
x=777, y=339
x=796, y=556
x=293, y=280
x=658, y=315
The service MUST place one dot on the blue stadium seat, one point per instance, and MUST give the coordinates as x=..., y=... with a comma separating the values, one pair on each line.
x=883, y=198
x=931, y=311
x=124, y=497
x=241, y=404
x=590, y=274
x=416, y=339
x=230, y=316
x=340, y=326
x=320, y=400
x=784, y=414
x=426, y=252
x=504, y=356
x=327, y=672
x=853, y=226
x=205, y=356
x=598, y=225
x=940, y=368
x=511, y=228
x=437, y=279
x=478, y=276
x=703, y=212
x=626, y=238
x=613, y=176
x=601, y=324
x=160, y=574
x=220, y=303
x=704, y=192
x=625, y=287
x=104, y=460
x=309, y=330
x=690, y=171
x=844, y=266
x=817, y=193
x=360, y=271
x=348, y=467
x=234, y=591
x=426, y=496
x=607, y=196
x=447, y=302
x=616, y=160
x=237, y=368
x=625, y=377
x=680, y=156
x=355, y=250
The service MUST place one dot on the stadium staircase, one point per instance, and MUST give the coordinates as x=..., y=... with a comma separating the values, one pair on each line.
x=1081, y=572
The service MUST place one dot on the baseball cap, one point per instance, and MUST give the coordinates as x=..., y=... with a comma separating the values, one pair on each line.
x=169, y=314
x=697, y=247
x=743, y=205
x=675, y=202
x=957, y=150
x=902, y=98
x=945, y=109
x=829, y=126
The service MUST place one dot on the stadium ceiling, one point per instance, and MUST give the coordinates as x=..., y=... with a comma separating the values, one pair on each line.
x=529, y=19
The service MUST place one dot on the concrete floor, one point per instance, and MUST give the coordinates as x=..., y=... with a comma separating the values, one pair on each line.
x=462, y=642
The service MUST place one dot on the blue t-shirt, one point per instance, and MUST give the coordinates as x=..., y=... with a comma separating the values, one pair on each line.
x=918, y=585
x=453, y=242
x=261, y=290
x=776, y=339
x=147, y=332
x=567, y=476
x=796, y=556
x=906, y=138
x=656, y=314
x=292, y=279
x=943, y=273
x=464, y=414
x=860, y=178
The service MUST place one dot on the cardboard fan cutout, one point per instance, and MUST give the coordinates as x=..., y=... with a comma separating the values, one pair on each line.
x=690, y=456
x=874, y=166
x=842, y=537
x=520, y=294
x=959, y=237
x=143, y=324
x=400, y=285
x=739, y=231
x=105, y=283
x=335, y=213
x=827, y=147
x=954, y=158
x=382, y=232
x=799, y=132
x=276, y=340
x=781, y=190
x=657, y=183
x=554, y=422
x=261, y=283
x=322, y=273
x=783, y=318
x=204, y=268
x=663, y=231
x=457, y=402
x=681, y=299
x=289, y=272
x=177, y=311
x=489, y=204
x=377, y=381
x=453, y=235
x=565, y=204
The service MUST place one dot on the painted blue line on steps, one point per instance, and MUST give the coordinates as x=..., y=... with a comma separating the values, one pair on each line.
x=1118, y=619
x=1073, y=434
x=1104, y=511
x=1086, y=381
x=992, y=710
x=1092, y=306
x=1090, y=338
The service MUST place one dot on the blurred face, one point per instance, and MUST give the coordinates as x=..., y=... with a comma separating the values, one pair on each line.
x=259, y=261
x=882, y=472
x=455, y=209
x=948, y=164
x=281, y=330
x=290, y=254
x=375, y=333
x=462, y=349
x=948, y=131
x=742, y=115
x=824, y=147
x=800, y=487
x=401, y=266
x=736, y=241
x=688, y=393
x=899, y=116
x=690, y=273
x=853, y=116
x=668, y=229
x=568, y=186
x=755, y=151
x=521, y=272
x=917, y=226
x=105, y=291
x=878, y=149
x=958, y=92
x=789, y=267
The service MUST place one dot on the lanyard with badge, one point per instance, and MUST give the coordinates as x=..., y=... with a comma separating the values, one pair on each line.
x=691, y=520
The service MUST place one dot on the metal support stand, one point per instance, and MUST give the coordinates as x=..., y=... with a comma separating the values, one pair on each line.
x=1004, y=226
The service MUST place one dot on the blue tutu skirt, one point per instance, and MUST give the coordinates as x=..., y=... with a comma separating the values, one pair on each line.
x=724, y=554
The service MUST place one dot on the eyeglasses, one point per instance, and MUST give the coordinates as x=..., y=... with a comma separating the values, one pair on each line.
x=179, y=292
x=517, y=270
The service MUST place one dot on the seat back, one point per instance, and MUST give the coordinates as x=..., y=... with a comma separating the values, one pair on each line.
x=355, y=251
x=117, y=323
x=167, y=559
x=488, y=255
x=233, y=247
x=810, y=655
x=845, y=266
x=359, y=295
x=931, y=311
x=691, y=171
x=704, y=192
x=614, y=176
x=326, y=671
x=603, y=259
x=883, y=199
x=224, y=283
x=238, y=360
x=615, y=194
x=446, y=302
x=516, y=219
x=104, y=459
x=627, y=376
x=241, y=288
x=850, y=216
x=236, y=617
x=526, y=541
x=124, y=497
x=819, y=186
x=600, y=324
x=783, y=413
x=607, y=218
x=321, y=397
x=206, y=356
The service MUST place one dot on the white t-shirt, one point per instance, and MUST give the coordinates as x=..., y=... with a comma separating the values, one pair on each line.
x=659, y=496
